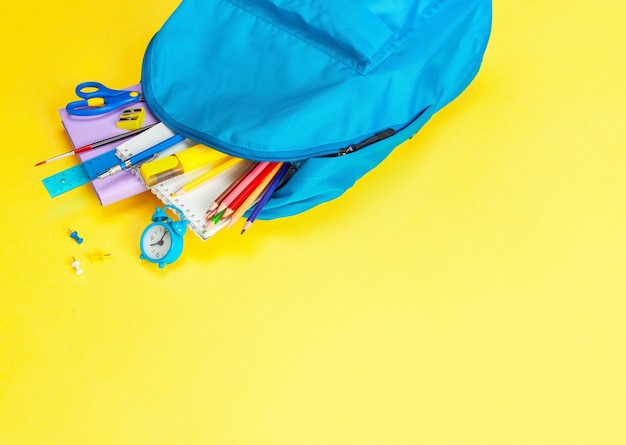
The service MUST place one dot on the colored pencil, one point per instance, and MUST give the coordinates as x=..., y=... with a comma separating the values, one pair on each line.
x=213, y=221
x=234, y=217
x=247, y=191
x=211, y=211
x=243, y=184
x=266, y=196
x=206, y=176
x=213, y=227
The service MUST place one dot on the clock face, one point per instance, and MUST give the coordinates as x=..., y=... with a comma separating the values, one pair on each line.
x=156, y=241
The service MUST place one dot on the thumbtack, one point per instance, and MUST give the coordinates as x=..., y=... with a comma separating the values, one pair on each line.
x=74, y=235
x=76, y=266
x=99, y=256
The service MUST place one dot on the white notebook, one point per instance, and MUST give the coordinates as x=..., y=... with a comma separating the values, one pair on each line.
x=194, y=203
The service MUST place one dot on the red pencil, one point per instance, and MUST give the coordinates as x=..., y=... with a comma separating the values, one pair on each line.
x=241, y=197
x=243, y=184
x=212, y=209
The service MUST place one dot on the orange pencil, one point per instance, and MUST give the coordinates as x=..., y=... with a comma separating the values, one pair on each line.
x=253, y=196
x=253, y=185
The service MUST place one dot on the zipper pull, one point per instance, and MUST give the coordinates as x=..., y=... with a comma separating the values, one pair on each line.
x=369, y=141
x=349, y=149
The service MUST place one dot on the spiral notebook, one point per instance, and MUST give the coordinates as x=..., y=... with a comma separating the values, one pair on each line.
x=195, y=203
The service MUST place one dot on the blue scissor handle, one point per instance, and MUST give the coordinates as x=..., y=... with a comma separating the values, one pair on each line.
x=95, y=89
x=98, y=99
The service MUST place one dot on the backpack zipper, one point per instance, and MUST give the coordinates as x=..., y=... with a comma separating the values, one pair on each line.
x=369, y=141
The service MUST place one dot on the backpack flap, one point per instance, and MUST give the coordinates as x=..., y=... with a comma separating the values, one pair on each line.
x=291, y=80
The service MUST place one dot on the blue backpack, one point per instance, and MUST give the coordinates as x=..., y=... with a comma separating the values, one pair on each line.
x=333, y=86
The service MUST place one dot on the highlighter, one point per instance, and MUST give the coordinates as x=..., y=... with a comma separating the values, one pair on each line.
x=184, y=161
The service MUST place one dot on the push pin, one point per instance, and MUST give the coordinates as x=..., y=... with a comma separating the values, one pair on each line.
x=99, y=256
x=76, y=266
x=74, y=235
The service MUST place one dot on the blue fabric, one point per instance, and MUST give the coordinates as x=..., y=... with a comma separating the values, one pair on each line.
x=296, y=80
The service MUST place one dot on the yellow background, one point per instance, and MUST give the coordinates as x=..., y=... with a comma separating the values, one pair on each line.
x=470, y=290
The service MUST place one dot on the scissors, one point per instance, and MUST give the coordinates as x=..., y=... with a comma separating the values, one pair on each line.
x=98, y=99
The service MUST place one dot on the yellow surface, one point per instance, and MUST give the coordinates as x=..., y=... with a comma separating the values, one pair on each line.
x=470, y=290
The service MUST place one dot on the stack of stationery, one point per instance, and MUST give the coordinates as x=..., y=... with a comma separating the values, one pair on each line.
x=178, y=175
x=212, y=189
x=84, y=130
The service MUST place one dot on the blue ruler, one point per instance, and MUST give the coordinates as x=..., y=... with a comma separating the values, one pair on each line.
x=80, y=174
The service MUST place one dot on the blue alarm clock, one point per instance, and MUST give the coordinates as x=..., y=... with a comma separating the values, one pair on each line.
x=162, y=241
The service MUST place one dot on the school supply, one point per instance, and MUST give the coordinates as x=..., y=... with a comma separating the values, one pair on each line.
x=242, y=186
x=252, y=186
x=97, y=144
x=74, y=236
x=131, y=118
x=145, y=145
x=167, y=167
x=195, y=204
x=337, y=84
x=82, y=131
x=142, y=156
x=98, y=99
x=192, y=205
x=265, y=197
x=76, y=265
x=213, y=207
x=80, y=174
x=162, y=240
x=99, y=256
x=105, y=165
x=253, y=196
x=197, y=181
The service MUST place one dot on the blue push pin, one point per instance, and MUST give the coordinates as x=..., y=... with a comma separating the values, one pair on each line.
x=74, y=235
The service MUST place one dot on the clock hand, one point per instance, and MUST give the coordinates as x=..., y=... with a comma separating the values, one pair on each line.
x=160, y=242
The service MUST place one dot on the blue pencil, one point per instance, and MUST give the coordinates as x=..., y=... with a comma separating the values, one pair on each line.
x=267, y=194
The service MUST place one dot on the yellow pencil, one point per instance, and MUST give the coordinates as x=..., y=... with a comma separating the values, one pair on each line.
x=206, y=176
x=234, y=216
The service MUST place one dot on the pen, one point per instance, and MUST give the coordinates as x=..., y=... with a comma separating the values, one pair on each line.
x=93, y=145
x=140, y=157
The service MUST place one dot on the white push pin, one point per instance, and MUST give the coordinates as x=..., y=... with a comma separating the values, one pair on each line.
x=76, y=266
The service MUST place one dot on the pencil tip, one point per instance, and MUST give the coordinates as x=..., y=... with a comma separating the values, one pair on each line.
x=39, y=163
